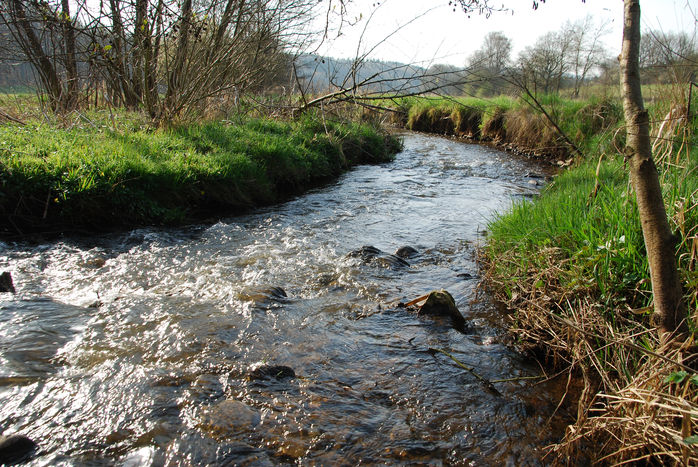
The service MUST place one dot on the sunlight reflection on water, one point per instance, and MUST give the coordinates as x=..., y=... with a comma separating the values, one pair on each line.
x=135, y=348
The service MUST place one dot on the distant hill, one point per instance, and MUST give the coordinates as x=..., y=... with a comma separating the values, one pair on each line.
x=318, y=74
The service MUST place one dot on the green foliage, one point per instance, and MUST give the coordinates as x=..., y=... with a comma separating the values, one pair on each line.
x=676, y=377
x=92, y=177
x=596, y=116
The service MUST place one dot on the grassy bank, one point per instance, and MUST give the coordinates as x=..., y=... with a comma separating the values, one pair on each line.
x=572, y=265
x=515, y=124
x=98, y=172
x=572, y=268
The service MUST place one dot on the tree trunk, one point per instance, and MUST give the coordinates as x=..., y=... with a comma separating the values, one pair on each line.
x=31, y=46
x=121, y=78
x=230, y=7
x=138, y=51
x=660, y=242
x=175, y=79
x=71, y=98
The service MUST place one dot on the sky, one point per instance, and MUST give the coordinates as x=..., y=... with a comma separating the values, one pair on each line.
x=426, y=32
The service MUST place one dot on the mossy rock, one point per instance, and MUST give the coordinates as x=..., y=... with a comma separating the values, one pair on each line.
x=441, y=303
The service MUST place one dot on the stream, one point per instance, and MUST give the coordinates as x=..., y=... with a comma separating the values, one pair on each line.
x=140, y=348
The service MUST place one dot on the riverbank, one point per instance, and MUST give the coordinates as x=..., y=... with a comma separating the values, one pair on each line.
x=571, y=266
x=514, y=124
x=98, y=173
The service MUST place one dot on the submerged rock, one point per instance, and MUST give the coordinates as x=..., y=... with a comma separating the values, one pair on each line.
x=371, y=254
x=274, y=292
x=365, y=252
x=406, y=252
x=227, y=418
x=278, y=372
x=16, y=448
x=441, y=303
x=327, y=279
x=6, y=284
x=95, y=263
x=391, y=261
x=264, y=295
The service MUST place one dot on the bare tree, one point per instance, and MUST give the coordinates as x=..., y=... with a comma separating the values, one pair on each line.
x=490, y=63
x=543, y=65
x=13, y=70
x=70, y=54
x=229, y=47
x=668, y=56
x=44, y=32
x=586, y=51
x=167, y=57
x=447, y=78
x=494, y=54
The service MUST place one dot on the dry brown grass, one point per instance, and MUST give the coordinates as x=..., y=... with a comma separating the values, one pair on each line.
x=627, y=410
x=644, y=417
x=431, y=119
x=493, y=129
x=466, y=122
x=530, y=132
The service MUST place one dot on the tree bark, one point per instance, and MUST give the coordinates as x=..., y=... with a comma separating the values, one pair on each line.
x=230, y=8
x=660, y=242
x=31, y=46
x=139, y=50
x=71, y=97
x=121, y=78
x=175, y=79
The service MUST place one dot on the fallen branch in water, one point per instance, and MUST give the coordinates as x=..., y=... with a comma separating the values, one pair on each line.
x=416, y=300
x=486, y=382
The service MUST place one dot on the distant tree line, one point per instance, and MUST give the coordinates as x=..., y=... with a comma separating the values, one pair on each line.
x=567, y=59
x=172, y=57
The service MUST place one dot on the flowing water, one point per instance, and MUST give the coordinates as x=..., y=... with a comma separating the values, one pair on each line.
x=138, y=348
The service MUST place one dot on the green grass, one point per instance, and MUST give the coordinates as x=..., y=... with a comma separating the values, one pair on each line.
x=598, y=236
x=103, y=173
x=571, y=264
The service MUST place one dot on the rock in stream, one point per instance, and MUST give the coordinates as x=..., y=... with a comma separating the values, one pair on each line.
x=441, y=303
x=370, y=254
x=6, y=284
x=15, y=449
